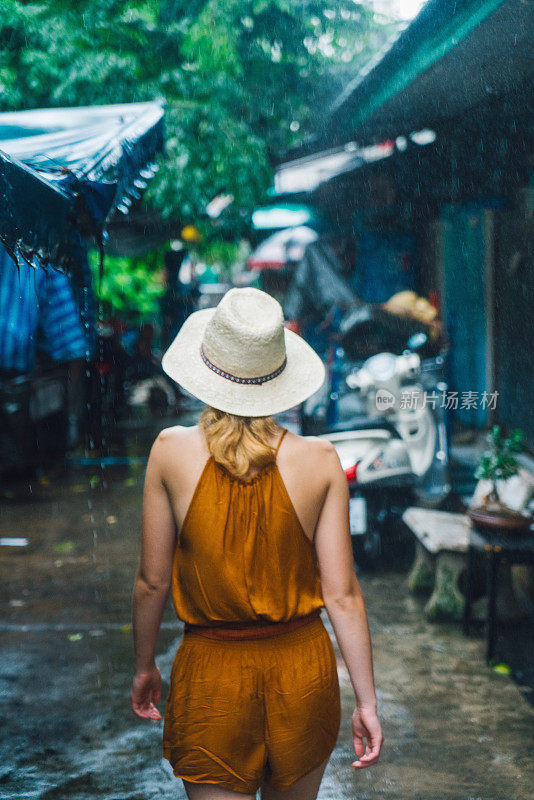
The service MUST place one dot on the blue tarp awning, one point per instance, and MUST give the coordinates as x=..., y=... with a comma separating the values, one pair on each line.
x=64, y=170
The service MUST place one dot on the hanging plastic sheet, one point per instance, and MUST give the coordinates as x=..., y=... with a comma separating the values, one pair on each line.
x=320, y=298
x=63, y=171
x=318, y=285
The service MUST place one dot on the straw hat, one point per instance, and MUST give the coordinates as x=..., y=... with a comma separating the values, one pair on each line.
x=239, y=357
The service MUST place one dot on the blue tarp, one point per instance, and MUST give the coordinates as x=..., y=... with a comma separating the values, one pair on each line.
x=64, y=170
x=41, y=310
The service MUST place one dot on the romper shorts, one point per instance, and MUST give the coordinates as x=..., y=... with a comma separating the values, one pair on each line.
x=247, y=712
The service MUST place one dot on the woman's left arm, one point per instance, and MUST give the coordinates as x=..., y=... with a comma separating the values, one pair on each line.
x=152, y=585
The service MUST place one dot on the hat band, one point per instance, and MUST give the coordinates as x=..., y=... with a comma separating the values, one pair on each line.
x=234, y=378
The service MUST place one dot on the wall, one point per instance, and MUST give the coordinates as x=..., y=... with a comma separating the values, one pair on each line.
x=514, y=315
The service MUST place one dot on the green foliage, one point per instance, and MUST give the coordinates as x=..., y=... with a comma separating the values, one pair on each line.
x=131, y=287
x=244, y=80
x=499, y=462
x=227, y=257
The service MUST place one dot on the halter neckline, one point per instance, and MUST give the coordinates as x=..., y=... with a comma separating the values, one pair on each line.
x=244, y=481
x=261, y=470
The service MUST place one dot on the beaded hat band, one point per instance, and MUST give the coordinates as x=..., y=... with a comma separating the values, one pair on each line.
x=228, y=376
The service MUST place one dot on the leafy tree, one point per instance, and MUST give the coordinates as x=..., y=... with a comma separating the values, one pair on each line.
x=244, y=80
x=131, y=288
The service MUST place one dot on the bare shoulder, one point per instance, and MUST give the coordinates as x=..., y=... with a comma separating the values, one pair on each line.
x=176, y=434
x=177, y=444
x=316, y=445
x=321, y=445
x=316, y=452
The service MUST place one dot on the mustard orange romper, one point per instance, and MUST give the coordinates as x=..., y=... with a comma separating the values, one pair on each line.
x=243, y=712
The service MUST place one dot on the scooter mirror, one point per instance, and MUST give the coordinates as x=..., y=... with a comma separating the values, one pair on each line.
x=381, y=367
x=353, y=382
x=409, y=365
x=417, y=340
x=359, y=381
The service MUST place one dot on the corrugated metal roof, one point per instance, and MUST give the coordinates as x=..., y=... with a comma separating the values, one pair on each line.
x=454, y=56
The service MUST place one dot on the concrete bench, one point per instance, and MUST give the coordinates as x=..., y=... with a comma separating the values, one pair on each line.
x=442, y=541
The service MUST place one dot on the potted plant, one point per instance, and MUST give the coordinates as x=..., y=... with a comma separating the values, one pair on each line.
x=499, y=462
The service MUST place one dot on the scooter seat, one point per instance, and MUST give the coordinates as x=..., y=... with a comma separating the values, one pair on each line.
x=361, y=423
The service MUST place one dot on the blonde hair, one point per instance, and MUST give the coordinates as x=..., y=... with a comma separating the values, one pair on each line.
x=240, y=444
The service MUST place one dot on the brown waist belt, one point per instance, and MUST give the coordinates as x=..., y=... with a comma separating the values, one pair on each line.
x=248, y=630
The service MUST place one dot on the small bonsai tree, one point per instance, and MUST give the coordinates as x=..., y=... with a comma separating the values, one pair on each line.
x=499, y=462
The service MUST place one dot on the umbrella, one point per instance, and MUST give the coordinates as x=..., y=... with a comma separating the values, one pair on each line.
x=282, y=248
x=63, y=171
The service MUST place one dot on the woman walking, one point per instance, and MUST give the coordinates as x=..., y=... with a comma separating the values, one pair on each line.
x=248, y=525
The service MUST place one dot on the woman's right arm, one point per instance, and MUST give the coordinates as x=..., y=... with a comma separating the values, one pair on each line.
x=346, y=607
x=152, y=584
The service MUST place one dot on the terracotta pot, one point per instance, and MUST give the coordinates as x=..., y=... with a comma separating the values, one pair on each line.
x=511, y=522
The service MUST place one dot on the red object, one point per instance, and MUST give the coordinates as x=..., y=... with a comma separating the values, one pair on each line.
x=257, y=266
x=118, y=325
x=104, y=368
x=433, y=298
x=351, y=473
x=284, y=248
x=254, y=630
x=293, y=325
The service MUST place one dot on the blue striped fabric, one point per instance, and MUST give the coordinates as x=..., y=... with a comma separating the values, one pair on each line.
x=37, y=311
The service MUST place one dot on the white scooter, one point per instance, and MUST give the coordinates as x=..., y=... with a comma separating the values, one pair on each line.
x=398, y=452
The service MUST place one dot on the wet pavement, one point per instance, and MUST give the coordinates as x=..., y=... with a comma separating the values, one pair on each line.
x=453, y=727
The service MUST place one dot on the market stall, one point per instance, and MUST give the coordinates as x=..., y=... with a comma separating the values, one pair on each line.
x=63, y=171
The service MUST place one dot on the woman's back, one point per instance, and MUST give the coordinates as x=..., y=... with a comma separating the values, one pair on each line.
x=242, y=553
x=184, y=455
